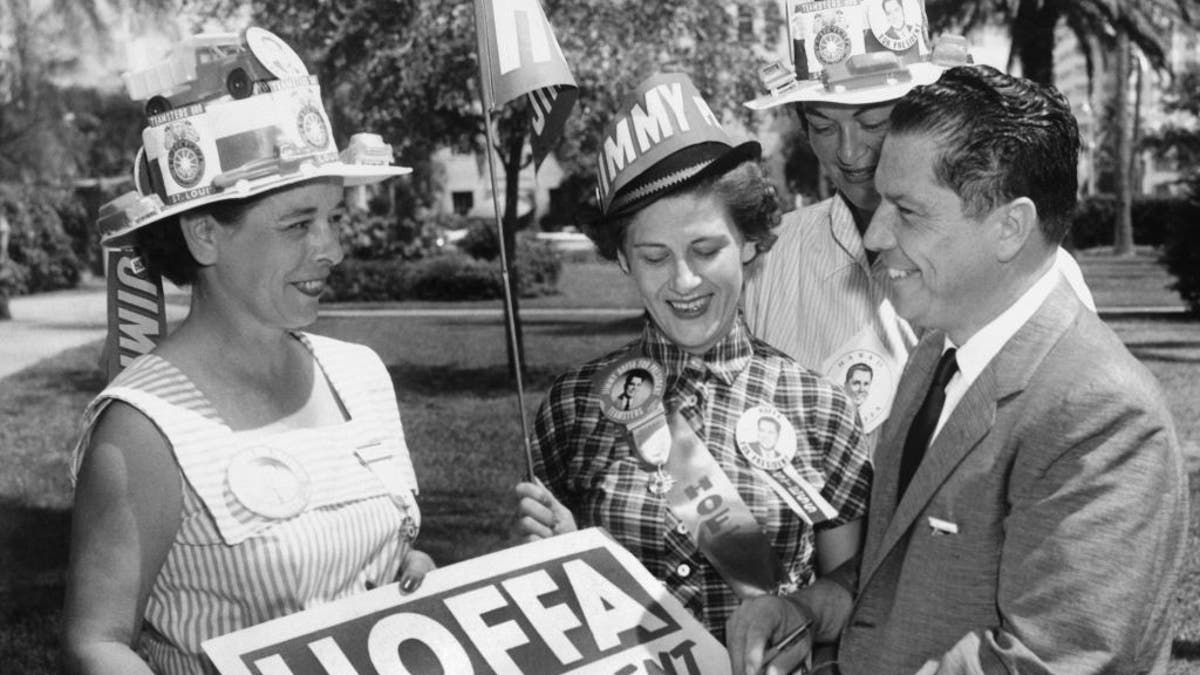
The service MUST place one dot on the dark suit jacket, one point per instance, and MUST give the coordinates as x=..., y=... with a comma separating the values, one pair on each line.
x=1061, y=470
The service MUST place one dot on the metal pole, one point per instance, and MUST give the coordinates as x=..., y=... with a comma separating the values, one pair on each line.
x=510, y=320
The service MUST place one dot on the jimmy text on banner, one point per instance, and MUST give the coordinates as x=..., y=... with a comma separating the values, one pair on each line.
x=576, y=603
x=137, y=317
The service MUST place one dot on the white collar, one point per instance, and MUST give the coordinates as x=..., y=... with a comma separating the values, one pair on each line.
x=979, y=349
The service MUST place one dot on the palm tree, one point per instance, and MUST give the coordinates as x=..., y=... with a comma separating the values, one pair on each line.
x=1104, y=28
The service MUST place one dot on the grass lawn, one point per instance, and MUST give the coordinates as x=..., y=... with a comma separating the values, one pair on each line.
x=459, y=412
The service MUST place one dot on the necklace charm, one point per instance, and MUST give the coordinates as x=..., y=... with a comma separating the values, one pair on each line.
x=661, y=483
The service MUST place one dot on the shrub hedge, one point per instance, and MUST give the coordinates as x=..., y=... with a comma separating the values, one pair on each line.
x=1096, y=216
x=1181, y=249
x=445, y=275
x=41, y=255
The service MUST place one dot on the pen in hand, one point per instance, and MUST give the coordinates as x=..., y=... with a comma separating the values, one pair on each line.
x=785, y=644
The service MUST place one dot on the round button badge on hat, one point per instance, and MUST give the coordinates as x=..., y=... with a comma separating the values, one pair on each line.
x=274, y=54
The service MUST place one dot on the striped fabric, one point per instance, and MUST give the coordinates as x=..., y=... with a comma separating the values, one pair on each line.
x=814, y=297
x=813, y=292
x=231, y=566
x=585, y=458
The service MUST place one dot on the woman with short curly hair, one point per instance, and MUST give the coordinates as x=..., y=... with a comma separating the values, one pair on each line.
x=725, y=467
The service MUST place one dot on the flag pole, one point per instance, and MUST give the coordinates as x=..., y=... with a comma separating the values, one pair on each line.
x=510, y=319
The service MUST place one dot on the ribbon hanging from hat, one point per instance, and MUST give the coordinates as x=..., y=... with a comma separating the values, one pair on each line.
x=519, y=55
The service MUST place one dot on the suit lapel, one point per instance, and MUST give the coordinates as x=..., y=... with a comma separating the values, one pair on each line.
x=1006, y=375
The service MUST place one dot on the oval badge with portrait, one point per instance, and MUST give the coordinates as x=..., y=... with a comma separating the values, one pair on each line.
x=869, y=382
x=269, y=482
x=895, y=23
x=631, y=390
x=766, y=438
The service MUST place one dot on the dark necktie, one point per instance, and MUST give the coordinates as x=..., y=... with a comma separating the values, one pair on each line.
x=926, y=420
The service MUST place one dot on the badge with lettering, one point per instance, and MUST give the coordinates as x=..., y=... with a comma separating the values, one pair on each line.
x=269, y=482
x=766, y=438
x=895, y=23
x=631, y=392
x=768, y=441
x=868, y=381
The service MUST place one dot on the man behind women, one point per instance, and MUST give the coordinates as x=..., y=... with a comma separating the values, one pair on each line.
x=1029, y=510
x=821, y=296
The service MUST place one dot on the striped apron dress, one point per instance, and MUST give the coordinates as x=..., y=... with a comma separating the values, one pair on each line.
x=272, y=523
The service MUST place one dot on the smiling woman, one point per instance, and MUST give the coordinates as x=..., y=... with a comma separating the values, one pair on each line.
x=684, y=210
x=243, y=470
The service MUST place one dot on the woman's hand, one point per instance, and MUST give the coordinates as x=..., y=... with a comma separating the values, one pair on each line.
x=413, y=570
x=769, y=634
x=538, y=514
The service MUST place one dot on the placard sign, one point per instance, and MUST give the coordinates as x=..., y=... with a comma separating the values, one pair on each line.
x=576, y=603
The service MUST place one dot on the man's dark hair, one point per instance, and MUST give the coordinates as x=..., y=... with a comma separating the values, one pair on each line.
x=770, y=420
x=1002, y=137
x=857, y=367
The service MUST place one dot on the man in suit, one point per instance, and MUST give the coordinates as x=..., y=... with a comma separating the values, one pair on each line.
x=1029, y=510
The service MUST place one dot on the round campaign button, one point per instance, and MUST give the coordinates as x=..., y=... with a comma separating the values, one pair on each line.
x=631, y=390
x=868, y=381
x=895, y=23
x=274, y=54
x=269, y=482
x=766, y=438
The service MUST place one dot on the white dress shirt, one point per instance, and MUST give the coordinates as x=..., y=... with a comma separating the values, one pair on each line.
x=975, y=354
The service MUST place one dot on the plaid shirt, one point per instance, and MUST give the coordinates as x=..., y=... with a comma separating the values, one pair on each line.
x=586, y=460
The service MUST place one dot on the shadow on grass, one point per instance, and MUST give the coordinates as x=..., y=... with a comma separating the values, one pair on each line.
x=1188, y=650
x=451, y=381
x=33, y=547
x=454, y=526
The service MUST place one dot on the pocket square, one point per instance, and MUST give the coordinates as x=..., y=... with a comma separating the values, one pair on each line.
x=941, y=527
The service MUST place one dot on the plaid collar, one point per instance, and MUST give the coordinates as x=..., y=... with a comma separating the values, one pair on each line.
x=725, y=360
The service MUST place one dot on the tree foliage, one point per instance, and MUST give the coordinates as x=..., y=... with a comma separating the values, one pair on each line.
x=1095, y=22
x=408, y=69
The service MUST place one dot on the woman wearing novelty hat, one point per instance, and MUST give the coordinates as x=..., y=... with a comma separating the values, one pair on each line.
x=821, y=297
x=243, y=470
x=715, y=504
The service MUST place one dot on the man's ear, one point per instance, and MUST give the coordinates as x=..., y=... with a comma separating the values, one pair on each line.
x=200, y=232
x=622, y=262
x=1018, y=227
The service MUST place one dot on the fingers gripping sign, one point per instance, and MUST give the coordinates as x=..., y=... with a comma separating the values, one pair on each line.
x=539, y=514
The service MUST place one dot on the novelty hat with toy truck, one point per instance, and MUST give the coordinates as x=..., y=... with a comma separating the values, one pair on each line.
x=857, y=52
x=663, y=137
x=230, y=116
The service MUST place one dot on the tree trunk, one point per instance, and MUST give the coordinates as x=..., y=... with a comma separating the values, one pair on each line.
x=1033, y=39
x=512, y=184
x=5, y=313
x=1123, y=138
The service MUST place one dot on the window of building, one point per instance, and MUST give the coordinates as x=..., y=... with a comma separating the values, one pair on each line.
x=463, y=202
x=745, y=23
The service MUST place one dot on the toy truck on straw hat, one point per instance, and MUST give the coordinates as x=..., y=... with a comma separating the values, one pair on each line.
x=208, y=67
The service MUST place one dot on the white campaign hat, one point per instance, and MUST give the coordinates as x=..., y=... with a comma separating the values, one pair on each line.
x=857, y=52
x=231, y=116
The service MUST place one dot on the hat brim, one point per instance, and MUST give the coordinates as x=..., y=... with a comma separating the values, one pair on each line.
x=680, y=179
x=816, y=92
x=353, y=175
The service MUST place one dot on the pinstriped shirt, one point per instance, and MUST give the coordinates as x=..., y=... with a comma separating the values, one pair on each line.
x=813, y=296
x=586, y=459
x=234, y=563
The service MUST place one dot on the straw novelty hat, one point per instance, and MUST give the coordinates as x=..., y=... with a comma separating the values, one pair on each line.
x=857, y=52
x=663, y=137
x=230, y=116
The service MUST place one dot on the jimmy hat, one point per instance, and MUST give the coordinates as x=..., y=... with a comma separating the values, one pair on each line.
x=664, y=136
x=230, y=116
x=857, y=52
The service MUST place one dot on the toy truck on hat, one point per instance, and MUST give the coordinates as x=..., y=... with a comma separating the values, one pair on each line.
x=210, y=66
